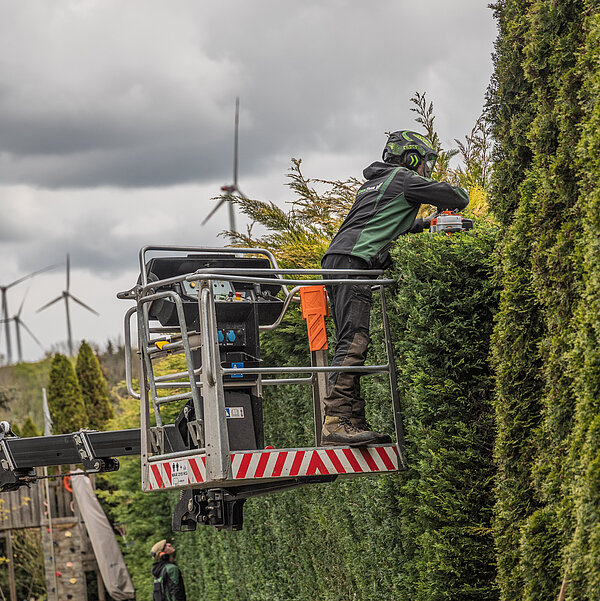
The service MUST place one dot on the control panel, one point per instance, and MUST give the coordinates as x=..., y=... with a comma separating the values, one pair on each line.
x=234, y=300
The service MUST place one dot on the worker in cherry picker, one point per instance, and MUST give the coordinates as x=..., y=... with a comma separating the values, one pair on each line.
x=386, y=206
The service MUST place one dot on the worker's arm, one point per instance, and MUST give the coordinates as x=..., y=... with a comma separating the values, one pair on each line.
x=422, y=190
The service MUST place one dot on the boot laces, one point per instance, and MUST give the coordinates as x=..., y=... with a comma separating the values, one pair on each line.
x=348, y=425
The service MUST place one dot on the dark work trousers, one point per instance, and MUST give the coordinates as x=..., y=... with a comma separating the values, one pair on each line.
x=351, y=311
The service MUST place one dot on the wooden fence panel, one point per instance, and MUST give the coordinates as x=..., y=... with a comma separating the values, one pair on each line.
x=20, y=508
x=28, y=507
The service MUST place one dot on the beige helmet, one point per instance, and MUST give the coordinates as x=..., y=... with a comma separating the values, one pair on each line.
x=158, y=548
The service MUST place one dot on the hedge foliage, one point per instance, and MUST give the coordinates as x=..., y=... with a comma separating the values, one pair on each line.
x=93, y=388
x=544, y=101
x=420, y=535
x=29, y=429
x=65, y=401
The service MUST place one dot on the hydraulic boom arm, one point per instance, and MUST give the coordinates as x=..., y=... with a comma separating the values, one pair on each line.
x=97, y=451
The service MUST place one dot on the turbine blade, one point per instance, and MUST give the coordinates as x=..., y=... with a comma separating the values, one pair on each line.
x=68, y=272
x=26, y=277
x=83, y=305
x=31, y=334
x=235, y=142
x=21, y=306
x=23, y=301
x=218, y=205
x=50, y=303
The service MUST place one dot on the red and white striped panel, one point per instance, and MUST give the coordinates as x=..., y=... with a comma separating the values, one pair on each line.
x=268, y=464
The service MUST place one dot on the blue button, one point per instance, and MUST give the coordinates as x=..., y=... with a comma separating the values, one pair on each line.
x=230, y=336
x=220, y=336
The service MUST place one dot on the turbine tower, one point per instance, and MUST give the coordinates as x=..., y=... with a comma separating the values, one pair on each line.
x=231, y=189
x=5, y=318
x=66, y=295
x=19, y=323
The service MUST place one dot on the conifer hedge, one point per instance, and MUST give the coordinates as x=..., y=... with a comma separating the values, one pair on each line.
x=28, y=429
x=544, y=101
x=93, y=388
x=420, y=535
x=65, y=402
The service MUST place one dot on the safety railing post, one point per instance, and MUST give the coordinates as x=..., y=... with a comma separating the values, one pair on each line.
x=393, y=381
x=218, y=463
x=315, y=308
x=319, y=385
x=144, y=424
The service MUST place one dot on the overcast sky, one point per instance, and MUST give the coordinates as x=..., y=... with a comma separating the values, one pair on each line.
x=116, y=122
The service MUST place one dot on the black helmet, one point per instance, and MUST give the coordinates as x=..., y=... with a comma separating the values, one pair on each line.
x=411, y=149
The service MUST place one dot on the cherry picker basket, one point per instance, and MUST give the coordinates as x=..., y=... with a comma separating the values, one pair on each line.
x=211, y=305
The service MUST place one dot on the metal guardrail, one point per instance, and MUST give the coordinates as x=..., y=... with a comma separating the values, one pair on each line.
x=209, y=378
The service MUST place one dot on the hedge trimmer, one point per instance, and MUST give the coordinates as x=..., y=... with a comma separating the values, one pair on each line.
x=448, y=222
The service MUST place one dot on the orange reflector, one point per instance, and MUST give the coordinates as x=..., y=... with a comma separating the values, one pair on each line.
x=313, y=301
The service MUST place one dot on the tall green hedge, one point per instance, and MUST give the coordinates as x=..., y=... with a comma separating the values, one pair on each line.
x=583, y=553
x=420, y=535
x=545, y=353
x=93, y=387
x=29, y=429
x=65, y=402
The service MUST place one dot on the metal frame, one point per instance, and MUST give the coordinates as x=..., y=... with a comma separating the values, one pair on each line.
x=215, y=450
x=214, y=480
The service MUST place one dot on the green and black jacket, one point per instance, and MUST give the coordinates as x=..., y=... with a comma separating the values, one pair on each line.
x=386, y=206
x=167, y=578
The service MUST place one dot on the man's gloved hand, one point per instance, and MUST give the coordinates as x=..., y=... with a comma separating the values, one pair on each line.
x=422, y=223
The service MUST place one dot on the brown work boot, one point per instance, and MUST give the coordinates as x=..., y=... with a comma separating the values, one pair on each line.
x=362, y=424
x=339, y=431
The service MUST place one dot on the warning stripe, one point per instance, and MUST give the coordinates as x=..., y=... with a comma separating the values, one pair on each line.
x=297, y=463
x=196, y=471
x=316, y=465
x=167, y=467
x=370, y=461
x=241, y=473
x=281, y=457
x=253, y=465
x=386, y=458
x=337, y=464
x=156, y=473
x=352, y=460
x=262, y=465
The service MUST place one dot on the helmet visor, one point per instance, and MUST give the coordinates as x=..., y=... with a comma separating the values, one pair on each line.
x=429, y=166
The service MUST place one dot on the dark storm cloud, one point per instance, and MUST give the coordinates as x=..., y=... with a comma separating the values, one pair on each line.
x=116, y=120
x=141, y=94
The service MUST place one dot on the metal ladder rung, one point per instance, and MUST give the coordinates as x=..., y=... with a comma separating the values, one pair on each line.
x=180, y=374
x=173, y=397
x=166, y=385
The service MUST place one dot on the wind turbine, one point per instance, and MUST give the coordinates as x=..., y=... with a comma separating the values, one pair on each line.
x=66, y=295
x=19, y=323
x=6, y=320
x=231, y=189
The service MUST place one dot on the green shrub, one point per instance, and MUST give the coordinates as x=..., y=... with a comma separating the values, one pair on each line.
x=29, y=429
x=65, y=401
x=93, y=387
